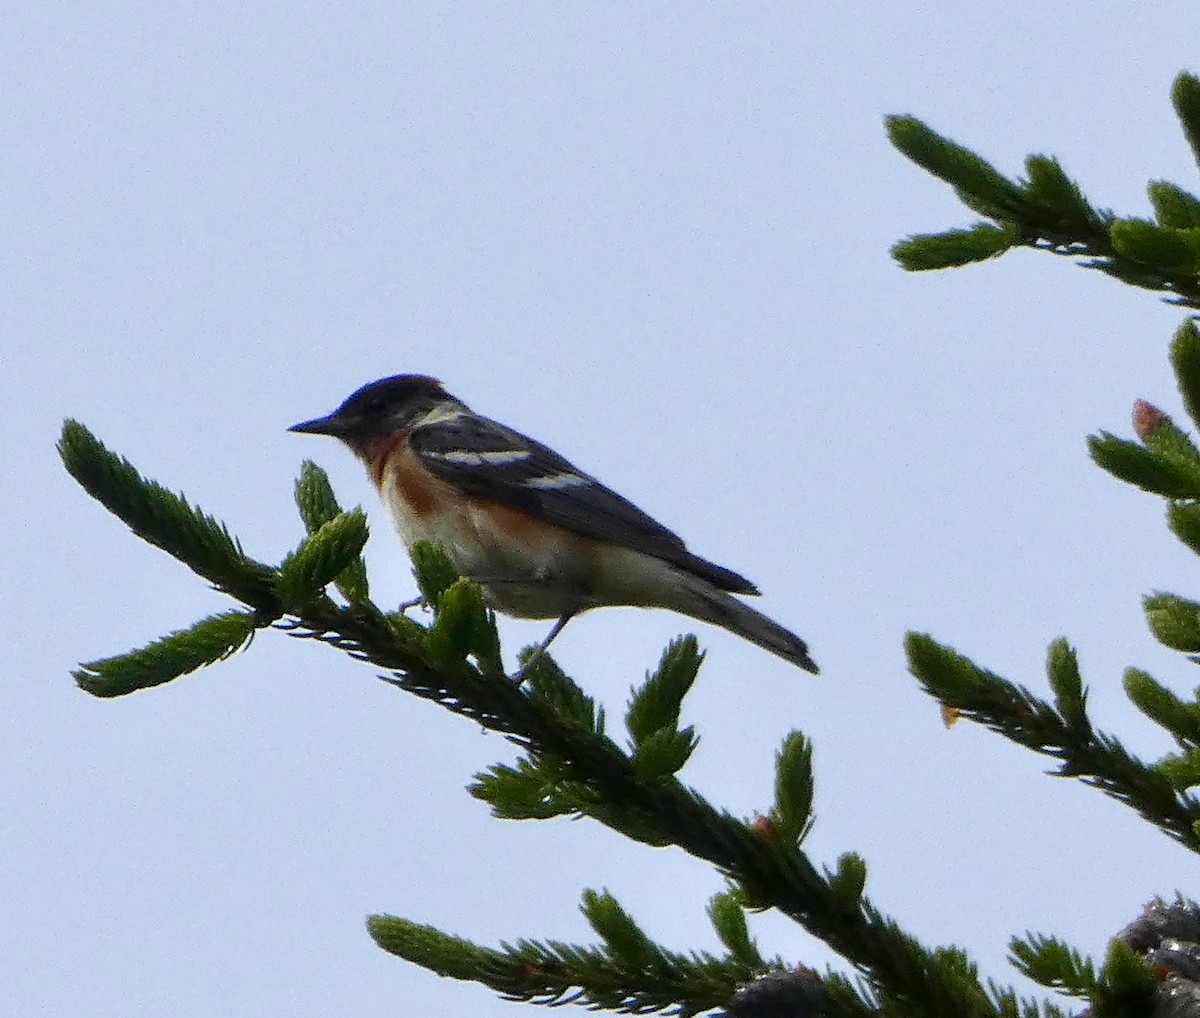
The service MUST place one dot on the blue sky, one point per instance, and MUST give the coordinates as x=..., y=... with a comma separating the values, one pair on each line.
x=655, y=237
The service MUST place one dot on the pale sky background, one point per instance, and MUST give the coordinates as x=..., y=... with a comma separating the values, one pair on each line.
x=655, y=236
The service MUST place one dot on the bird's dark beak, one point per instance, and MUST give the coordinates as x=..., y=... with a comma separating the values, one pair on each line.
x=331, y=425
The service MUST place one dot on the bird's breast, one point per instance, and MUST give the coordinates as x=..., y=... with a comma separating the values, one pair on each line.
x=527, y=568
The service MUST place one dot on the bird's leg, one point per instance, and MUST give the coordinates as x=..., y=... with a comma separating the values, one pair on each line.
x=523, y=672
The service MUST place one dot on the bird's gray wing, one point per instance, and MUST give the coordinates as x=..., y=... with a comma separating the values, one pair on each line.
x=485, y=459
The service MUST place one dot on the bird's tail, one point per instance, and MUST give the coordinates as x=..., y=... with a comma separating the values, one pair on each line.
x=711, y=604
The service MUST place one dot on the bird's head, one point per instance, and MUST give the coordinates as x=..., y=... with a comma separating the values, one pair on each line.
x=379, y=409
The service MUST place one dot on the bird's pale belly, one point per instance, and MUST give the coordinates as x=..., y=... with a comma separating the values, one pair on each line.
x=526, y=569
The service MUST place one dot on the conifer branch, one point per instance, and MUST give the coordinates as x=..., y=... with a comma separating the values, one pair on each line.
x=1185, y=96
x=208, y=641
x=456, y=662
x=318, y=505
x=165, y=520
x=1164, y=461
x=1046, y=210
x=329, y=553
x=1064, y=734
x=628, y=972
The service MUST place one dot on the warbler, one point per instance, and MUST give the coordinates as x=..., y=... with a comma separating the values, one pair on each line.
x=543, y=539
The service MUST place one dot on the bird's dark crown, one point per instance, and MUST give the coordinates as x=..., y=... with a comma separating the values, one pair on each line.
x=379, y=408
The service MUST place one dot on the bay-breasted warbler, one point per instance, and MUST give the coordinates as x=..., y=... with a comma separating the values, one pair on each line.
x=542, y=538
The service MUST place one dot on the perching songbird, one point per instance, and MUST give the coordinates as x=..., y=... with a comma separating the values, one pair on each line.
x=543, y=539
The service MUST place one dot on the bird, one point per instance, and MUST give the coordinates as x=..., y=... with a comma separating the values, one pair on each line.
x=542, y=538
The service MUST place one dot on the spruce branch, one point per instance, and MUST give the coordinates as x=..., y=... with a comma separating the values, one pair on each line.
x=1135, y=464
x=1183, y=520
x=1185, y=361
x=792, y=815
x=952, y=249
x=976, y=181
x=660, y=746
x=328, y=553
x=1070, y=694
x=1174, y=621
x=1047, y=211
x=771, y=874
x=1165, y=461
x=208, y=641
x=1127, y=986
x=657, y=703
x=433, y=572
x=1179, y=717
x=728, y=917
x=628, y=972
x=531, y=790
x=1096, y=758
x=572, y=764
x=1150, y=967
x=463, y=626
x=165, y=520
x=318, y=505
x=1054, y=964
x=1185, y=97
x=1173, y=206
